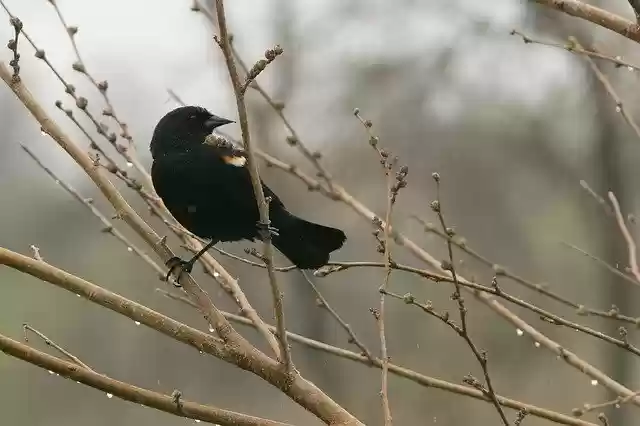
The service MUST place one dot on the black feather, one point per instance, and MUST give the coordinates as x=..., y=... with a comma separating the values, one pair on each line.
x=214, y=198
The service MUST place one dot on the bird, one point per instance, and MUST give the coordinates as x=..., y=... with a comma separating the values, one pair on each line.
x=207, y=188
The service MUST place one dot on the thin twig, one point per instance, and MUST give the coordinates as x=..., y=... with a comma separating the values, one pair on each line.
x=237, y=352
x=617, y=402
x=502, y=271
x=13, y=46
x=108, y=226
x=82, y=103
x=340, y=194
x=51, y=343
x=611, y=91
x=400, y=371
x=102, y=87
x=384, y=246
x=631, y=244
x=325, y=305
x=463, y=330
x=263, y=206
x=602, y=263
x=573, y=48
x=293, y=139
x=128, y=392
x=596, y=15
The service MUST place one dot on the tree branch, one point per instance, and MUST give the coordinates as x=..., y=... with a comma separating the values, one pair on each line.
x=597, y=16
x=129, y=392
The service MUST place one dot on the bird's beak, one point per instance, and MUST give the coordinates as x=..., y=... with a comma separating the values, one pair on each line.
x=215, y=121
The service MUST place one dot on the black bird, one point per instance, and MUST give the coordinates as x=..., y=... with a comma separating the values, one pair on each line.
x=207, y=188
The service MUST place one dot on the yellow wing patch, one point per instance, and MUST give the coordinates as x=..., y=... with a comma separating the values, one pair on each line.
x=234, y=160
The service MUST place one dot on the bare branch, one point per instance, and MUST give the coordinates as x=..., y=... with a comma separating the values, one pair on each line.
x=325, y=305
x=574, y=48
x=340, y=194
x=246, y=356
x=49, y=342
x=108, y=226
x=502, y=271
x=263, y=207
x=129, y=392
x=597, y=16
x=463, y=331
x=631, y=245
x=403, y=372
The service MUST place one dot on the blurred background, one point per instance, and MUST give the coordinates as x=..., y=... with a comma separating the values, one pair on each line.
x=512, y=128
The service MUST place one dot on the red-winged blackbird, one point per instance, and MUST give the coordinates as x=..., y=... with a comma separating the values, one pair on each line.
x=207, y=188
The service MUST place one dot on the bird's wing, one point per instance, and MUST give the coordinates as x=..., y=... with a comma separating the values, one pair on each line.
x=236, y=175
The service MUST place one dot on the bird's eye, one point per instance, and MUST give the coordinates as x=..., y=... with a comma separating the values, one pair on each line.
x=191, y=117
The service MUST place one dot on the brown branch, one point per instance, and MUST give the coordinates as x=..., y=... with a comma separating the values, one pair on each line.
x=502, y=271
x=108, y=226
x=13, y=46
x=574, y=48
x=238, y=353
x=463, y=330
x=246, y=356
x=353, y=338
x=263, y=206
x=603, y=264
x=403, y=372
x=384, y=246
x=82, y=103
x=340, y=194
x=595, y=15
x=129, y=392
x=102, y=87
x=51, y=343
x=293, y=139
x=229, y=284
x=617, y=402
x=611, y=91
x=123, y=209
x=631, y=245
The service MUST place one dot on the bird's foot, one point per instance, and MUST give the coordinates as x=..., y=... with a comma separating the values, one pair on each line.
x=265, y=229
x=178, y=266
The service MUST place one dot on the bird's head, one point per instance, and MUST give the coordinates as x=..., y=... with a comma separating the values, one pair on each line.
x=183, y=128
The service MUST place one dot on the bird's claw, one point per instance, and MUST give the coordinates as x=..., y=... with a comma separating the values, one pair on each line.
x=265, y=229
x=175, y=264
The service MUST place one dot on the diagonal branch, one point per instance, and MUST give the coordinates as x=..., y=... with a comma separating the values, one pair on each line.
x=263, y=205
x=598, y=16
x=341, y=194
x=244, y=355
x=166, y=403
x=405, y=373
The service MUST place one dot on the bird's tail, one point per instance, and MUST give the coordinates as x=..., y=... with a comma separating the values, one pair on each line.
x=304, y=243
